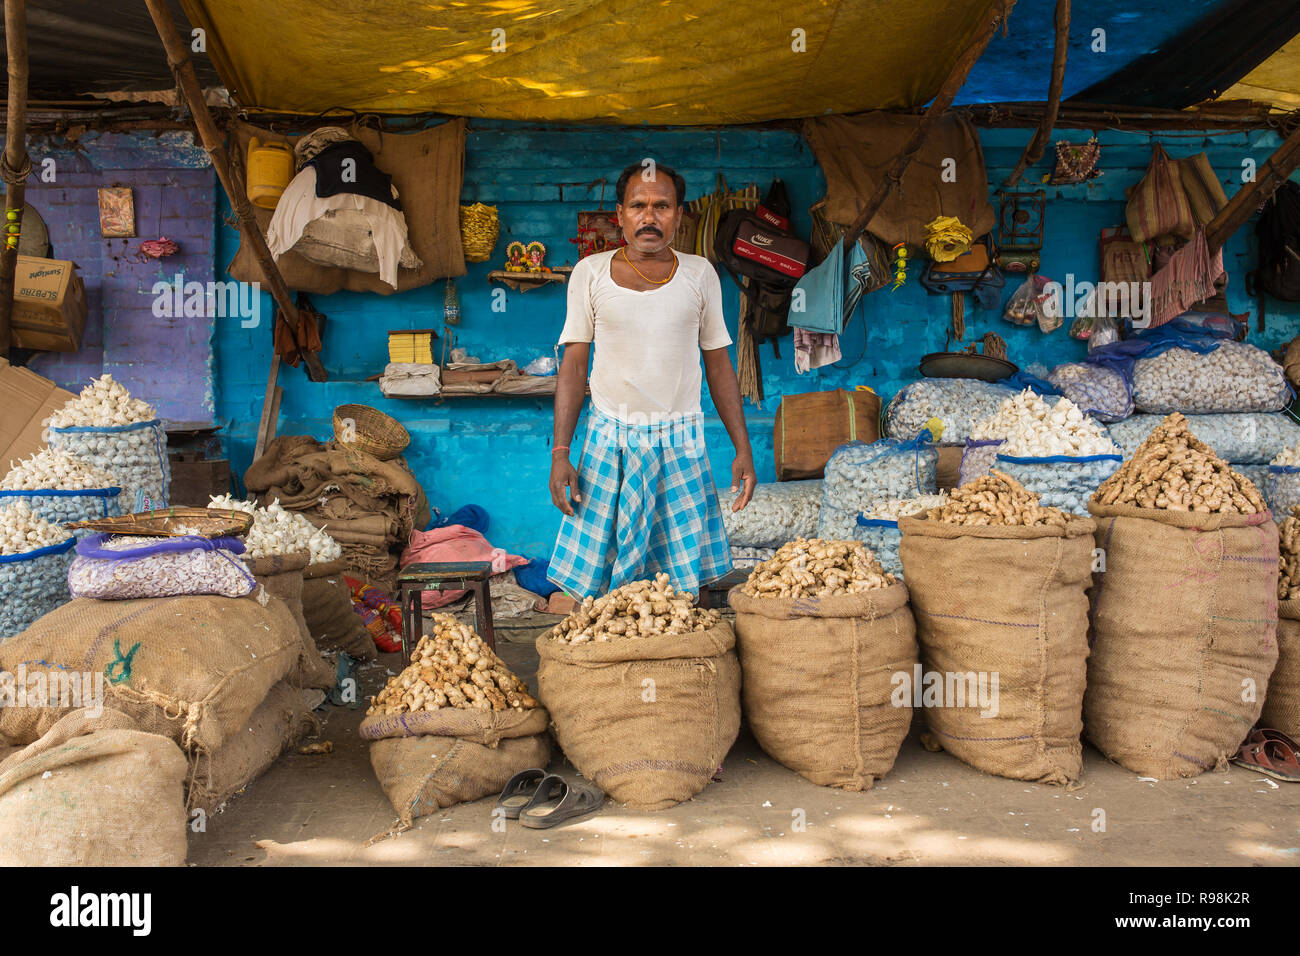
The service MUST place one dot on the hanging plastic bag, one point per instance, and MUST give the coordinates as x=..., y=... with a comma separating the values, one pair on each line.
x=1023, y=307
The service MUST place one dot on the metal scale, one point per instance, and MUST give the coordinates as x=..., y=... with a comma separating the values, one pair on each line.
x=1020, y=231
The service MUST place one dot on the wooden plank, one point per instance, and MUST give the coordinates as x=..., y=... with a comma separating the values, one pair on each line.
x=15, y=162
x=998, y=13
x=1269, y=175
x=1038, y=142
x=270, y=402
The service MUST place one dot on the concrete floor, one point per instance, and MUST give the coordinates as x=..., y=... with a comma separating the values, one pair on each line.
x=931, y=810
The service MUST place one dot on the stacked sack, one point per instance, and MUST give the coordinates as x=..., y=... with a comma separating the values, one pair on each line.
x=1185, y=614
x=956, y=403
x=119, y=436
x=860, y=476
x=778, y=512
x=822, y=629
x=369, y=505
x=998, y=585
x=643, y=689
x=60, y=488
x=454, y=726
x=1282, y=702
x=34, y=560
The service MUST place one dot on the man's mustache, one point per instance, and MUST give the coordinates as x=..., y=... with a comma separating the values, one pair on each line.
x=651, y=229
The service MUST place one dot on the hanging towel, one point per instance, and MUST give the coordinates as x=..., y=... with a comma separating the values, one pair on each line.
x=814, y=349
x=1191, y=275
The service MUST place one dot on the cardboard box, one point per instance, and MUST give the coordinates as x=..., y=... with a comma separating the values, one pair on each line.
x=26, y=399
x=49, y=305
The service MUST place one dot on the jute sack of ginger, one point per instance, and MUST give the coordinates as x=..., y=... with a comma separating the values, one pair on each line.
x=819, y=681
x=1185, y=623
x=1002, y=620
x=1282, y=702
x=647, y=719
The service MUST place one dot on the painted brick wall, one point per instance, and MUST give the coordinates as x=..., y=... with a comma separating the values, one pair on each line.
x=496, y=452
x=167, y=361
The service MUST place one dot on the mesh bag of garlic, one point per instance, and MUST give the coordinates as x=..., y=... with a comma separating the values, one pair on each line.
x=456, y=724
x=977, y=459
x=1100, y=391
x=777, y=512
x=1282, y=486
x=1282, y=702
x=1235, y=377
x=861, y=475
x=958, y=403
x=648, y=717
x=118, y=435
x=748, y=557
x=878, y=527
x=1184, y=608
x=1253, y=438
x=61, y=489
x=276, y=531
x=998, y=587
x=34, y=559
x=120, y=567
x=819, y=672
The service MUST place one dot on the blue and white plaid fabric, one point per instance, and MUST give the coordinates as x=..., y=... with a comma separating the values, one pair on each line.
x=648, y=505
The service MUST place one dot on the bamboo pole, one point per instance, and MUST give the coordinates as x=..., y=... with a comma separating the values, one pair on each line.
x=1034, y=150
x=15, y=164
x=1269, y=176
x=178, y=59
x=999, y=11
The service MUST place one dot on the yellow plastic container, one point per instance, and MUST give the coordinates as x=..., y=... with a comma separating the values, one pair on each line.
x=270, y=167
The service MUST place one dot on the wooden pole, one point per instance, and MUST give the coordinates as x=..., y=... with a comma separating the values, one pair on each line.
x=15, y=165
x=178, y=59
x=1270, y=174
x=998, y=13
x=1034, y=150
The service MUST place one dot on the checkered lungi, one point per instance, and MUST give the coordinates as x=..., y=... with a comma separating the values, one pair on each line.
x=648, y=505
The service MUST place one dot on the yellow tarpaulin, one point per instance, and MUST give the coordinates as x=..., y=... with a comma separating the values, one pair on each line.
x=687, y=62
x=1275, y=81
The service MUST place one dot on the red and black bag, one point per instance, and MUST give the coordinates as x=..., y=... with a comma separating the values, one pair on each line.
x=758, y=246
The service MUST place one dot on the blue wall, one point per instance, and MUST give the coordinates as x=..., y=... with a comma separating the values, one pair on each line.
x=496, y=452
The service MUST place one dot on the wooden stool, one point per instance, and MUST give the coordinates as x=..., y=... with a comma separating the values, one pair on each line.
x=415, y=579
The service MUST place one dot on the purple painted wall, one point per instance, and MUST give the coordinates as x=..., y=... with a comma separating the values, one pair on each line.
x=168, y=361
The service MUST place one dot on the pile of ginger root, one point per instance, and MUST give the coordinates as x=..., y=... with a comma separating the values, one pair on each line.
x=637, y=609
x=815, y=568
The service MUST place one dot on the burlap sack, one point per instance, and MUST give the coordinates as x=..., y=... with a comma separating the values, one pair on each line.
x=327, y=609
x=93, y=791
x=819, y=678
x=427, y=168
x=434, y=759
x=1006, y=603
x=1184, y=614
x=276, y=726
x=648, y=720
x=282, y=577
x=1282, y=702
x=190, y=668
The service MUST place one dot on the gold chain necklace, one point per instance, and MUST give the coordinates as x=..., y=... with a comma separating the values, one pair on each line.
x=646, y=277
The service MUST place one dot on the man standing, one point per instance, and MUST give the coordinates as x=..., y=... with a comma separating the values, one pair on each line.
x=642, y=498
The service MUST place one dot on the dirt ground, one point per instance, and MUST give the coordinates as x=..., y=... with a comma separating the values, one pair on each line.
x=931, y=810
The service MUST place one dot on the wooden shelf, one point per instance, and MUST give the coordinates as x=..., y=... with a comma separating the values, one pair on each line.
x=523, y=281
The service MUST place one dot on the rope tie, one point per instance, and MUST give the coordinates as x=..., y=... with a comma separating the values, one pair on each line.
x=15, y=177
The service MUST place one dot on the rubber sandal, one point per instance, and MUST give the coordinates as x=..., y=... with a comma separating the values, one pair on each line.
x=520, y=789
x=1271, y=753
x=557, y=800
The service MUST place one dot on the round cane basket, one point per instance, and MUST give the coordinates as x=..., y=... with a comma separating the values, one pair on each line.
x=479, y=227
x=372, y=431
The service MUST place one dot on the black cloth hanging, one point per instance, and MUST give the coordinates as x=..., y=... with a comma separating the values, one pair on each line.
x=364, y=178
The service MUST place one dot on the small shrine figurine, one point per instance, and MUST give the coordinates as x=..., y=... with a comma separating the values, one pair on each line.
x=515, y=254
x=536, y=253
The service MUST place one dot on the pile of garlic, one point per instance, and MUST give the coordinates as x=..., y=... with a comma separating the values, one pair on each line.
x=1287, y=456
x=22, y=530
x=1235, y=377
x=638, y=609
x=958, y=403
x=277, y=531
x=54, y=469
x=897, y=508
x=452, y=667
x=102, y=403
x=807, y=568
x=1033, y=429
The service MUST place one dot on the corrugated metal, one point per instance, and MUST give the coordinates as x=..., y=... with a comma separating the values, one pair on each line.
x=87, y=46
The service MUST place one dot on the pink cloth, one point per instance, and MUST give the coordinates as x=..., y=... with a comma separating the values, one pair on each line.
x=814, y=349
x=455, y=542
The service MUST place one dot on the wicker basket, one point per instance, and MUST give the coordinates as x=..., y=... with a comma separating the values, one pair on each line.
x=373, y=432
x=169, y=522
x=479, y=227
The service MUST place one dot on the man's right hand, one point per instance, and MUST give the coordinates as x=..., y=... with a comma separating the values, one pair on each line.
x=564, y=482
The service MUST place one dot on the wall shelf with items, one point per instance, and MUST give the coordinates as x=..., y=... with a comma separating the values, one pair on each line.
x=523, y=281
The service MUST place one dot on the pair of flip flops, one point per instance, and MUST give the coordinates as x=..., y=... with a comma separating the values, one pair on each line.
x=540, y=800
x=1272, y=753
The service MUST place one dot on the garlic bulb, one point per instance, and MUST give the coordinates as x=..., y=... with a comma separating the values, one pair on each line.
x=103, y=402
x=277, y=531
x=900, y=507
x=1287, y=456
x=1033, y=429
x=1235, y=377
x=22, y=530
x=778, y=512
x=50, y=468
x=957, y=402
